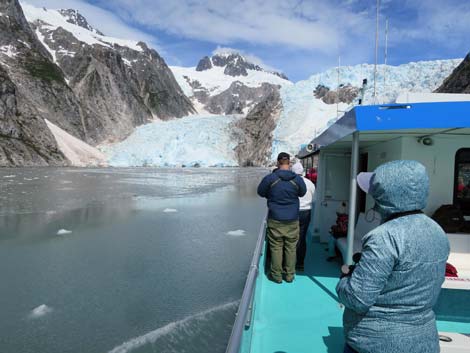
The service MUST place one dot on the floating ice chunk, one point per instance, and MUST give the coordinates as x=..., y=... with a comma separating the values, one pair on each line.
x=64, y=232
x=40, y=311
x=237, y=233
x=170, y=210
x=9, y=176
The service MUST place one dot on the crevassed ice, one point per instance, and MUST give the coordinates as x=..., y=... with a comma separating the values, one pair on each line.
x=304, y=116
x=196, y=140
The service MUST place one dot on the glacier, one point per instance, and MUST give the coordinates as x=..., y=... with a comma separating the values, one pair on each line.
x=196, y=140
x=207, y=140
x=304, y=117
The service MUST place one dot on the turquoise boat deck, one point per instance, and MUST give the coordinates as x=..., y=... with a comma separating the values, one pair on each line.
x=305, y=316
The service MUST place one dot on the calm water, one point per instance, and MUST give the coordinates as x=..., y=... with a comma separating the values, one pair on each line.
x=148, y=265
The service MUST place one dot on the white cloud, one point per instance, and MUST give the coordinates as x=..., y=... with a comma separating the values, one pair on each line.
x=442, y=23
x=314, y=24
x=103, y=20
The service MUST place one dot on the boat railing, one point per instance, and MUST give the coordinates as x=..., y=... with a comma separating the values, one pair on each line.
x=244, y=313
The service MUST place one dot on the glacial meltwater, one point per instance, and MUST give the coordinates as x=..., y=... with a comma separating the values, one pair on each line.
x=124, y=260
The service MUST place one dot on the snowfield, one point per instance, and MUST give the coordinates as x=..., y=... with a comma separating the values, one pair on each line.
x=304, y=116
x=216, y=81
x=197, y=140
x=55, y=20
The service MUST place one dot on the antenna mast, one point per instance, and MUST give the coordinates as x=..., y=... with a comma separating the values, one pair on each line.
x=337, y=89
x=386, y=52
x=376, y=50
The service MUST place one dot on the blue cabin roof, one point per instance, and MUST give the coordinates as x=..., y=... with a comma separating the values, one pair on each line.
x=392, y=117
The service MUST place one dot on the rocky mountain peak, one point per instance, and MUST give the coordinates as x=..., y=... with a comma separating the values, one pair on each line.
x=235, y=64
x=74, y=17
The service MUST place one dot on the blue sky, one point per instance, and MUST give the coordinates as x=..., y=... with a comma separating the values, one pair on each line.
x=296, y=37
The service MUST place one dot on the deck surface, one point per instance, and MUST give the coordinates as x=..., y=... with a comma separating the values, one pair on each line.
x=305, y=316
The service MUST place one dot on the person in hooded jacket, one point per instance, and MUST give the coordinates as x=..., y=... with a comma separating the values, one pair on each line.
x=390, y=294
x=282, y=189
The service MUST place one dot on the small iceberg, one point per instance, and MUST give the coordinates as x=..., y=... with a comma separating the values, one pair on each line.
x=170, y=210
x=9, y=176
x=237, y=233
x=40, y=311
x=64, y=232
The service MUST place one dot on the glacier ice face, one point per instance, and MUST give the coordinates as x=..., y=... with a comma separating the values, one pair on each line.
x=197, y=140
x=207, y=140
x=304, y=116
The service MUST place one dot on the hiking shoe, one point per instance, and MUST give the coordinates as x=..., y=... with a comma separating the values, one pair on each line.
x=275, y=280
x=289, y=279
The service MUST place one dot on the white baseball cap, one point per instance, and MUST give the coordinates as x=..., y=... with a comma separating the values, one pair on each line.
x=363, y=180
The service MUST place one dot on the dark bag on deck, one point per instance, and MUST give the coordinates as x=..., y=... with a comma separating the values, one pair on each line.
x=450, y=218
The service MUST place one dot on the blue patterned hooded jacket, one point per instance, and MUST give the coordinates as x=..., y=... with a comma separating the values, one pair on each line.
x=389, y=297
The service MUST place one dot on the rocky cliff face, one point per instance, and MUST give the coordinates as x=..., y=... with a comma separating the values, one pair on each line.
x=459, y=80
x=33, y=88
x=255, y=132
x=93, y=88
x=158, y=87
x=120, y=87
x=74, y=17
x=239, y=99
x=344, y=94
x=25, y=139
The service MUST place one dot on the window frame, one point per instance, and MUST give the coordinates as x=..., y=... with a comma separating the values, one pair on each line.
x=461, y=156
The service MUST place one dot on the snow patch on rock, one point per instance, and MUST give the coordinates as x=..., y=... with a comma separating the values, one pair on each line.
x=8, y=50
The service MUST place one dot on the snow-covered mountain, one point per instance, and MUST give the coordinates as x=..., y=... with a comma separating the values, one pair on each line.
x=304, y=109
x=227, y=83
x=65, y=85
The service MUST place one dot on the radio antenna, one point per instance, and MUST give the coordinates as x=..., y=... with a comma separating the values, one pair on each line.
x=376, y=50
x=386, y=53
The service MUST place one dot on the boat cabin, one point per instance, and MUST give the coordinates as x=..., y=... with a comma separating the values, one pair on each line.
x=435, y=134
x=305, y=316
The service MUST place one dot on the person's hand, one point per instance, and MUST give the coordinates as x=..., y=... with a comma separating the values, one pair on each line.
x=347, y=270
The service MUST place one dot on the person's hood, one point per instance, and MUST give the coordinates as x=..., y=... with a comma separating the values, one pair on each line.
x=297, y=168
x=285, y=174
x=399, y=186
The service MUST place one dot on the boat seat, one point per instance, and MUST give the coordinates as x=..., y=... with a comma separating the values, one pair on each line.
x=459, y=343
x=363, y=226
x=459, y=257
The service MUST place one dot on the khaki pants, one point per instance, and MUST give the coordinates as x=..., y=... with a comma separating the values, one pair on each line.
x=282, y=237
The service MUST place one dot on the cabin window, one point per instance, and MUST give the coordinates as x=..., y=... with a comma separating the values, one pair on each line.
x=462, y=179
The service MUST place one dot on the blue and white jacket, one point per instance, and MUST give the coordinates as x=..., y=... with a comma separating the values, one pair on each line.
x=389, y=297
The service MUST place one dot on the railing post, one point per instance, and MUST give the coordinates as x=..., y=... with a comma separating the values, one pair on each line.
x=352, y=197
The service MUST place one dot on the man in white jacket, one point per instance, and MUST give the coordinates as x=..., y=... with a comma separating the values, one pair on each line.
x=304, y=218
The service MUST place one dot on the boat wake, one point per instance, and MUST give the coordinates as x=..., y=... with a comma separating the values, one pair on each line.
x=196, y=333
